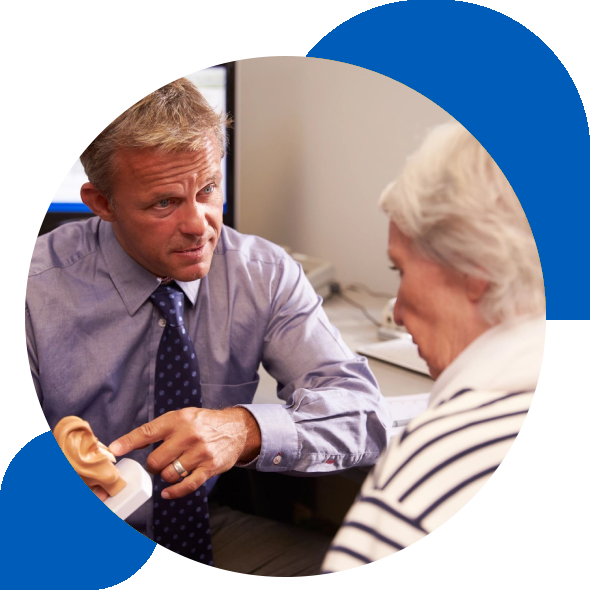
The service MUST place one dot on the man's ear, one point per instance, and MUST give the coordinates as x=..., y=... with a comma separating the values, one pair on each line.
x=97, y=202
x=475, y=288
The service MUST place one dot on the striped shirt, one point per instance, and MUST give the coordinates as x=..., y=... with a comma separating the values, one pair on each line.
x=446, y=455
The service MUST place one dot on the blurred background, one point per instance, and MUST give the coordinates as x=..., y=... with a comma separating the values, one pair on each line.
x=317, y=141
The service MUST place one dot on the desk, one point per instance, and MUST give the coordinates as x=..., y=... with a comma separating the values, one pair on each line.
x=356, y=329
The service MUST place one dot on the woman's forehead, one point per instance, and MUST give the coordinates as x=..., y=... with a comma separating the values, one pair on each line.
x=399, y=243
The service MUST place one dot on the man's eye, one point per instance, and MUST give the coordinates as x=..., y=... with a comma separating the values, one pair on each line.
x=163, y=203
x=209, y=189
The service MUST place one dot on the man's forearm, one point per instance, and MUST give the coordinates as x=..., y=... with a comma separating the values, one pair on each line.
x=324, y=430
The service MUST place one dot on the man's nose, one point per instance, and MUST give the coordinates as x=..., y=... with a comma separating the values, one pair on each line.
x=194, y=221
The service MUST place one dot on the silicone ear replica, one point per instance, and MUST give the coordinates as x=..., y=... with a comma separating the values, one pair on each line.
x=93, y=462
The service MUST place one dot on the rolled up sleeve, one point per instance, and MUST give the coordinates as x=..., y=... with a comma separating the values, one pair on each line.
x=335, y=417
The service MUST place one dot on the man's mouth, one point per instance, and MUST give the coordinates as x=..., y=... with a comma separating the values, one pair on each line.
x=191, y=249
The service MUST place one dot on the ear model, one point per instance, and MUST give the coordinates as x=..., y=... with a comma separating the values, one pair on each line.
x=92, y=461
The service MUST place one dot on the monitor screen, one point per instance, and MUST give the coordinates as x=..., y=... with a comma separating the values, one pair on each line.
x=217, y=86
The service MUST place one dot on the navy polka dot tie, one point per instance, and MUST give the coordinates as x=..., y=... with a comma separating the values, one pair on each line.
x=181, y=525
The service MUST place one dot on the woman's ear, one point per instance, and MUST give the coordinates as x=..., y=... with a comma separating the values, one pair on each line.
x=96, y=202
x=475, y=288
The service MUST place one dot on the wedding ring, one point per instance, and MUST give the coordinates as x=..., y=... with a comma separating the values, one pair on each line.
x=179, y=468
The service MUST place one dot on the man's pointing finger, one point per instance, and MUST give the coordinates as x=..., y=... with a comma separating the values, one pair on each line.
x=141, y=437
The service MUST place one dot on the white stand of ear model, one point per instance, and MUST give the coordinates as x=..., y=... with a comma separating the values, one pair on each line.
x=137, y=491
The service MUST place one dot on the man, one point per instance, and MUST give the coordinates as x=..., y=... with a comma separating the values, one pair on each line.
x=151, y=320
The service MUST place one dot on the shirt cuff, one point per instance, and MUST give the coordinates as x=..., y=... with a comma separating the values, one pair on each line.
x=279, y=450
x=251, y=463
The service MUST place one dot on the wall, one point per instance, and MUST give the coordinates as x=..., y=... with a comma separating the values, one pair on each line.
x=318, y=141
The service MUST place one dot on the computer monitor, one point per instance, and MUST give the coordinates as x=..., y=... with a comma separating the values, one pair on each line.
x=217, y=84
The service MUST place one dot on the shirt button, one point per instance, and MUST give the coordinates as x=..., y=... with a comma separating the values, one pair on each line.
x=277, y=459
x=162, y=322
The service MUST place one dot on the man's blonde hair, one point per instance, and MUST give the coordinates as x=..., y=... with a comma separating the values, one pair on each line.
x=174, y=118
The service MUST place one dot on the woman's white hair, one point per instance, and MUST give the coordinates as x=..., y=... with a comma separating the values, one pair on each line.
x=455, y=204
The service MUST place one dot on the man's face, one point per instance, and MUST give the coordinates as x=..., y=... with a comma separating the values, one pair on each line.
x=432, y=304
x=168, y=209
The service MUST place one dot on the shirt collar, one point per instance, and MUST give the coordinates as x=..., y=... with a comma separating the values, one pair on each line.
x=191, y=290
x=505, y=357
x=133, y=282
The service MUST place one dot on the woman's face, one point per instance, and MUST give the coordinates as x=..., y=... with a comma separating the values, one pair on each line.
x=438, y=306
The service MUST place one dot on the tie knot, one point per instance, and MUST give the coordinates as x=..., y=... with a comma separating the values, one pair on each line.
x=169, y=299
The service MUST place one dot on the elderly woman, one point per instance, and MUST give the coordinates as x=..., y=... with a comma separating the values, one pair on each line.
x=472, y=297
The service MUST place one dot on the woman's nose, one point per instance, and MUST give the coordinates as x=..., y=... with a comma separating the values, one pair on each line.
x=397, y=312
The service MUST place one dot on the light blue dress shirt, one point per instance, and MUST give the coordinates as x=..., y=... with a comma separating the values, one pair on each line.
x=93, y=335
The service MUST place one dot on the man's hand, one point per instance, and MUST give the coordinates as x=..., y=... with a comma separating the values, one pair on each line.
x=206, y=442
